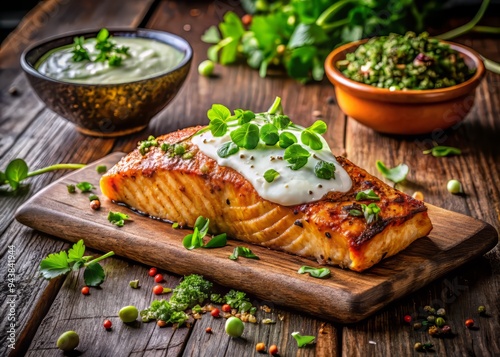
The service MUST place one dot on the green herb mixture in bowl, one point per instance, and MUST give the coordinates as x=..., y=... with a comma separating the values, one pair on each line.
x=402, y=90
x=109, y=83
x=406, y=62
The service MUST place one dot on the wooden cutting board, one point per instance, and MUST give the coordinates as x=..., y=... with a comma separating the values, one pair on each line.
x=344, y=297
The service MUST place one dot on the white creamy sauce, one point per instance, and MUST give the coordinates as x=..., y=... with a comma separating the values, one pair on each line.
x=291, y=187
x=147, y=58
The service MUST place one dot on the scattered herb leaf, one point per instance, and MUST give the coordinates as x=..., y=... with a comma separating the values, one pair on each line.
x=302, y=340
x=85, y=186
x=117, y=218
x=320, y=273
x=242, y=252
x=441, y=151
x=324, y=170
x=396, y=174
x=71, y=188
x=367, y=195
x=101, y=169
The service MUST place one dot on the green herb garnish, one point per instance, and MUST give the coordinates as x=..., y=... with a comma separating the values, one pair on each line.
x=302, y=340
x=93, y=197
x=370, y=212
x=61, y=263
x=395, y=174
x=117, y=218
x=108, y=50
x=242, y=252
x=320, y=273
x=270, y=175
x=17, y=171
x=85, y=186
x=195, y=239
x=441, y=151
x=192, y=291
x=245, y=134
x=101, y=169
x=71, y=188
x=145, y=145
x=367, y=195
x=238, y=300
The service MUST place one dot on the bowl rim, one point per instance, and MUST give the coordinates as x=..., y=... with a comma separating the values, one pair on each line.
x=402, y=96
x=187, y=49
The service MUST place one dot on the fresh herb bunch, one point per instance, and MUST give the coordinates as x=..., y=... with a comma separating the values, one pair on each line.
x=108, y=50
x=298, y=35
x=63, y=262
x=275, y=131
x=17, y=170
x=399, y=62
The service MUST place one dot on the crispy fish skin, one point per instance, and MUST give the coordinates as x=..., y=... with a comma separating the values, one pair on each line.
x=179, y=190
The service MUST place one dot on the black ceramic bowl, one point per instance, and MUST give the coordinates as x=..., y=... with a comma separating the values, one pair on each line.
x=108, y=110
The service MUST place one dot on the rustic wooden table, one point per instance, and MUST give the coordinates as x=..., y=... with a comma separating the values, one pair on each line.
x=42, y=310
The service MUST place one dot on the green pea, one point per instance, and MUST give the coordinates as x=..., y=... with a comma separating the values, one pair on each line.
x=206, y=68
x=234, y=327
x=68, y=341
x=454, y=186
x=128, y=313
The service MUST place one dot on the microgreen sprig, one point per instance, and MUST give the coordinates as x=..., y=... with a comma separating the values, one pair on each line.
x=442, y=151
x=396, y=174
x=17, y=171
x=245, y=133
x=63, y=262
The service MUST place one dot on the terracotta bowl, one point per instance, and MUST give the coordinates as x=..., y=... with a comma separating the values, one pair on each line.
x=108, y=110
x=409, y=111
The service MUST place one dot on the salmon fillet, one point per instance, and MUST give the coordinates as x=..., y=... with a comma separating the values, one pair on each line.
x=178, y=189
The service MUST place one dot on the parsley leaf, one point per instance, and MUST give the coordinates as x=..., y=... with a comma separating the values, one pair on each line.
x=242, y=252
x=319, y=273
x=94, y=275
x=61, y=263
x=270, y=175
x=193, y=240
x=80, y=53
x=54, y=265
x=218, y=111
x=395, y=174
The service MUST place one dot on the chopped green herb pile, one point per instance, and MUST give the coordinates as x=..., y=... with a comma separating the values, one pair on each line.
x=192, y=292
x=108, y=50
x=297, y=35
x=272, y=128
x=63, y=262
x=195, y=239
x=399, y=62
x=17, y=170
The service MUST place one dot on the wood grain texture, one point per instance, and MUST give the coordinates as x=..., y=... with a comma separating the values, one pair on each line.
x=345, y=297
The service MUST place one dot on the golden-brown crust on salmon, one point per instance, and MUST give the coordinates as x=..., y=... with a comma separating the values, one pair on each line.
x=180, y=189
